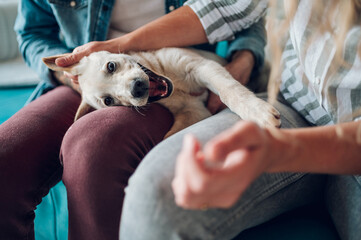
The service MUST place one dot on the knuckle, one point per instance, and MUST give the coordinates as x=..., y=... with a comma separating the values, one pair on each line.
x=181, y=191
x=73, y=57
x=86, y=49
x=199, y=187
x=93, y=46
x=183, y=198
x=180, y=201
x=77, y=49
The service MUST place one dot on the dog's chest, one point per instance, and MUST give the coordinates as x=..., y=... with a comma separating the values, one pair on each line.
x=180, y=101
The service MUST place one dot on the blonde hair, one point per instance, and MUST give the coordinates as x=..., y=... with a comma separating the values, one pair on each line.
x=325, y=13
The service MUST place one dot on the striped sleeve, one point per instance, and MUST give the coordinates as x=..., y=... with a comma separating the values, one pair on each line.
x=222, y=19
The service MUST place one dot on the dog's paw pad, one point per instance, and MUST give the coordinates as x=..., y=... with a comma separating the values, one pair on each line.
x=268, y=116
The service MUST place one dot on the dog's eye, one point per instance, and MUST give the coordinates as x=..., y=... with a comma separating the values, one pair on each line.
x=108, y=101
x=111, y=67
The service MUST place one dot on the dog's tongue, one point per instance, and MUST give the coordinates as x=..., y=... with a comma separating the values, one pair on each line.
x=158, y=88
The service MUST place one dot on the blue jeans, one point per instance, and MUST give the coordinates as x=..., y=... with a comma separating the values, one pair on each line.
x=149, y=211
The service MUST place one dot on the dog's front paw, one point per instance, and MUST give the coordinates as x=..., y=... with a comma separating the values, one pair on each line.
x=268, y=116
x=261, y=112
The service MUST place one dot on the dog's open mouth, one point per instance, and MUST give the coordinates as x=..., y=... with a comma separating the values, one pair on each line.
x=159, y=86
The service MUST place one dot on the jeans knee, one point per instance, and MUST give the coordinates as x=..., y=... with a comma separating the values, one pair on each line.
x=153, y=184
x=149, y=199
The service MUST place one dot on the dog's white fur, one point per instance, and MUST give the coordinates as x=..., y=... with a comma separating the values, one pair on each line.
x=191, y=72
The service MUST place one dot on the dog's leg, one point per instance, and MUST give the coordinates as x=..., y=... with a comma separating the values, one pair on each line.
x=236, y=96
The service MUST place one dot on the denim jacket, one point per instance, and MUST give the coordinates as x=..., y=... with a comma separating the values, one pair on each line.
x=52, y=27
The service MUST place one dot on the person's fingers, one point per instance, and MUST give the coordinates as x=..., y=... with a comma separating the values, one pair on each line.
x=80, y=52
x=197, y=187
x=193, y=158
x=214, y=190
x=191, y=144
x=70, y=59
x=241, y=135
x=190, y=180
x=179, y=183
x=74, y=78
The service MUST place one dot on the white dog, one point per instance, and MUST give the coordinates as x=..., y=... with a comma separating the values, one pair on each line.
x=174, y=77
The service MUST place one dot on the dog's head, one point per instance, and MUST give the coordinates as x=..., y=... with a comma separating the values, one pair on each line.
x=107, y=79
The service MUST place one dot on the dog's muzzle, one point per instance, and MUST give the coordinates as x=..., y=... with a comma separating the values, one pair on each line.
x=139, y=88
x=159, y=86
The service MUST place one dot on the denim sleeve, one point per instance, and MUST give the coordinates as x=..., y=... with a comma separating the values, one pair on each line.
x=38, y=35
x=253, y=39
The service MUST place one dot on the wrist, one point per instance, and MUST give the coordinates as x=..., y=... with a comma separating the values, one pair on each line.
x=244, y=55
x=243, y=58
x=282, y=146
x=119, y=45
x=241, y=65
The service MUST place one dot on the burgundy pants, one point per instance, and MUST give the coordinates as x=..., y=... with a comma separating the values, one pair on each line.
x=99, y=153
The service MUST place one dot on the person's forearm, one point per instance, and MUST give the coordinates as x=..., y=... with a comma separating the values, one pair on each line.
x=177, y=29
x=329, y=149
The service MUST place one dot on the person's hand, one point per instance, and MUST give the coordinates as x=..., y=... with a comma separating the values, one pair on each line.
x=240, y=68
x=85, y=50
x=67, y=79
x=116, y=45
x=80, y=52
x=73, y=58
x=216, y=176
x=73, y=78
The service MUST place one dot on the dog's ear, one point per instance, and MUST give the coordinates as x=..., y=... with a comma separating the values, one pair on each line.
x=50, y=63
x=83, y=109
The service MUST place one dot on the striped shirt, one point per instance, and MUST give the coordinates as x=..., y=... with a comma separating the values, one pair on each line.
x=322, y=95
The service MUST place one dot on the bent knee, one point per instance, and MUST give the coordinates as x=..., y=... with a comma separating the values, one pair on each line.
x=117, y=137
x=114, y=125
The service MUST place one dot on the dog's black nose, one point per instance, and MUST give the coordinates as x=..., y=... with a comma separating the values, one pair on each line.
x=139, y=88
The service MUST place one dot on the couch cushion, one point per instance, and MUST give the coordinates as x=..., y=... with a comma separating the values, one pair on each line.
x=15, y=73
x=51, y=216
x=9, y=46
x=13, y=70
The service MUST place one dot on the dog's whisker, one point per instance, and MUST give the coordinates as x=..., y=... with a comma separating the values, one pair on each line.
x=138, y=110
